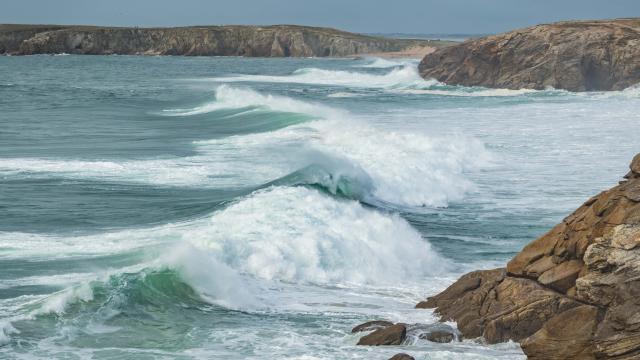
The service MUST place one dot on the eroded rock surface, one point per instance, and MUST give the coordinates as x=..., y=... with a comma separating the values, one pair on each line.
x=574, y=293
x=390, y=335
x=402, y=356
x=572, y=55
x=439, y=336
x=265, y=41
x=371, y=325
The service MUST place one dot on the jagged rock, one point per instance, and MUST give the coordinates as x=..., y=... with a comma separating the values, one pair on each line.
x=571, y=55
x=574, y=293
x=500, y=308
x=563, y=276
x=635, y=166
x=391, y=335
x=371, y=325
x=270, y=41
x=568, y=334
x=402, y=356
x=439, y=336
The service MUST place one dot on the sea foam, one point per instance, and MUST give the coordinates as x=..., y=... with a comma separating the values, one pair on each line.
x=406, y=169
x=401, y=77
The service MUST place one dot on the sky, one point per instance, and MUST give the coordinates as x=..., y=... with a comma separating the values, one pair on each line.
x=367, y=16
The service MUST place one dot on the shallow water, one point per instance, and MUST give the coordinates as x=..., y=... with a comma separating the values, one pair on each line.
x=174, y=207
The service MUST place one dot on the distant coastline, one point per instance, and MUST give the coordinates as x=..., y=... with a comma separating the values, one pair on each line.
x=228, y=40
x=433, y=37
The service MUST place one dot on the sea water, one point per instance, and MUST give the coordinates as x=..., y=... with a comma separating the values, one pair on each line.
x=202, y=207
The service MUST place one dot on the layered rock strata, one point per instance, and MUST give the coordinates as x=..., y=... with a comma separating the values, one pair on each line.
x=263, y=41
x=574, y=293
x=572, y=55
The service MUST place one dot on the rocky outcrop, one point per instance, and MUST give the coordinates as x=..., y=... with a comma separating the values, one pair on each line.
x=267, y=41
x=574, y=293
x=402, y=356
x=390, y=335
x=371, y=326
x=575, y=55
x=439, y=336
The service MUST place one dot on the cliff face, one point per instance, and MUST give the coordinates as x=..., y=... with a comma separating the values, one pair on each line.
x=268, y=41
x=573, y=293
x=576, y=56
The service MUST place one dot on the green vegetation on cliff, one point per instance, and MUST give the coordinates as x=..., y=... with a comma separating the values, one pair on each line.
x=267, y=41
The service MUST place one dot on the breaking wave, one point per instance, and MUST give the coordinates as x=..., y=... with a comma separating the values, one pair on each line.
x=407, y=169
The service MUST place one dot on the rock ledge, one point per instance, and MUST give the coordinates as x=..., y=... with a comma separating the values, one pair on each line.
x=572, y=55
x=574, y=293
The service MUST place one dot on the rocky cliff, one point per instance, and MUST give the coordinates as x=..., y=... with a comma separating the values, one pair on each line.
x=576, y=56
x=573, y=293
x=269, y=41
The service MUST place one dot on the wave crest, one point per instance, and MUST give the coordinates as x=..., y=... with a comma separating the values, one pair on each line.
x=404, y=77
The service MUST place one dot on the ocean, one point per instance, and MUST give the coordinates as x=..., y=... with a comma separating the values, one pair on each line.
x=244, y=208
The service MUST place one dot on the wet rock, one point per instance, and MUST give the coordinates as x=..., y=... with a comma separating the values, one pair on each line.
x=391, y=335
x=402, y=356
x=439, y=336
x=571, y=55
x=371, y=325
x=571, y=294
x=568, y=334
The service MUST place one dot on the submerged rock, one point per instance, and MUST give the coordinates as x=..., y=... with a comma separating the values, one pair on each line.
x=390, y=335
x=574, y=293
x=371, y=325
x=439, y=336
x=269, y=41
x=571, y=55
x=402, y=356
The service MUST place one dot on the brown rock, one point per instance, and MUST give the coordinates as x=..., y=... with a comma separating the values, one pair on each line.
x=371, y=325
x=439, y=336
x=635, y=165
x=231, y=40
x=565, y=336
x=402, y=356
x=563, y=276
x=571, y=55
x=571, y=294
x=391, y=335
x=501, y=308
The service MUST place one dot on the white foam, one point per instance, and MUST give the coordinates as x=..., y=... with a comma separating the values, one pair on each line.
x=342, y=94
x=404, y=77
x=58, y=302
x=469, y=92
x=405, y=168
x=291, y=234
x=301, y=235
x=156, y=171
x=214, y=281
x=381, y=63
x=6, y=330
x=227, y=97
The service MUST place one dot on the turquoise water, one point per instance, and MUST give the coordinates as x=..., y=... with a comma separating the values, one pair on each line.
x=173, y=207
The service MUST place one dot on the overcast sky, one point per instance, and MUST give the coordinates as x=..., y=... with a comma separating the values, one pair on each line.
x=405, y=16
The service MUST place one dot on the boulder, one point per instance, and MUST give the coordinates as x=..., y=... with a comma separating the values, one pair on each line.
x=402, y=356
x=574, y=293
x=571, y=55
x=371, y=325
x=439, y=336
x=390, y=335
